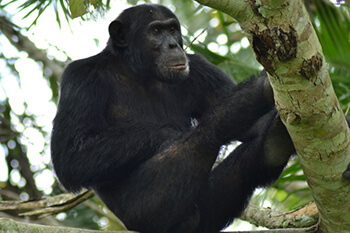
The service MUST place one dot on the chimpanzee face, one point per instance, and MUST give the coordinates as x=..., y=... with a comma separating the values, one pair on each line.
x=152, y=42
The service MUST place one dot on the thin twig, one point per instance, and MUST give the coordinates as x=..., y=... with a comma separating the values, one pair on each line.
x=347, y=110
x=195, y=38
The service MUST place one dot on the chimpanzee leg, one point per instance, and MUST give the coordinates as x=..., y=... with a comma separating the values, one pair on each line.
x=256, y=162
x=176, y=191
x=160, y=194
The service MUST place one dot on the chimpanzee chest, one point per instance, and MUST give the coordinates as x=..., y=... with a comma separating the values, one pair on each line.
x=157, y=106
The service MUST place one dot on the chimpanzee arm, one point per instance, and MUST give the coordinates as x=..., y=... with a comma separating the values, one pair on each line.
x=234, y=108
x=86, y=150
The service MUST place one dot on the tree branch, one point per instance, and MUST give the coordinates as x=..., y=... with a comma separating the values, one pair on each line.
x=266, y=217
x=22, y=43
x=304, y=217
x=53, y=205
x=6, y=224
x=49, y=205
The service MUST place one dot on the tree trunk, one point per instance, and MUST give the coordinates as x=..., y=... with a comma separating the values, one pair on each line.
x=287, y=46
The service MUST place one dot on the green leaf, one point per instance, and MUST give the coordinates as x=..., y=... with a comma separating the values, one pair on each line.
x=333, y=31
x=77, y=8
x=94, y=2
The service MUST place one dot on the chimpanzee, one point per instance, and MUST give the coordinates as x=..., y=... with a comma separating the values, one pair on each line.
x=142, y=122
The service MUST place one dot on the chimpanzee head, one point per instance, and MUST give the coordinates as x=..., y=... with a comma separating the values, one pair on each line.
x=148, y=38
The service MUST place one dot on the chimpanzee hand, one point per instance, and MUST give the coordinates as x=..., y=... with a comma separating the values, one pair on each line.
x=346, y=174
x=268, y=91
x=278, y=145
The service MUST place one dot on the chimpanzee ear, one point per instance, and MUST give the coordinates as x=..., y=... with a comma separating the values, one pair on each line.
x=117, y=32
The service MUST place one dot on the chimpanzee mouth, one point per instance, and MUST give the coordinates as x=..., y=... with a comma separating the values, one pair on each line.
x=173, y=71
x=181, y=66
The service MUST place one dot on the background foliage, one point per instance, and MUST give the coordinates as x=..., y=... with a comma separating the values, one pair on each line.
x=25, y=169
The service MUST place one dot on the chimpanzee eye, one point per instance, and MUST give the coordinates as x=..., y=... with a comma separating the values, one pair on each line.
x=155, y=31
x=172, y=29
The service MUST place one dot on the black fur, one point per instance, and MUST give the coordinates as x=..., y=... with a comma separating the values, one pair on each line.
x=123, y=128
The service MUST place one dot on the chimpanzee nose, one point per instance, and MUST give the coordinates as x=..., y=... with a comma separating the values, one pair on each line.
x=172, y=45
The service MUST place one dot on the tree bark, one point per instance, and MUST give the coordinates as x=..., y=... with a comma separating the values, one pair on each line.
x=9, y=225
x=286, y=44
x=267, y=217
